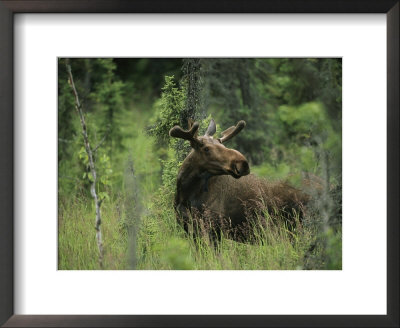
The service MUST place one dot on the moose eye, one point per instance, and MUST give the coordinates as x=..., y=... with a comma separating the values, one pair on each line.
x=206, y=149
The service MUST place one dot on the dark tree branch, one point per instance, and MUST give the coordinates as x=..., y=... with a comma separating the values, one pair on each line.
x=101, y=141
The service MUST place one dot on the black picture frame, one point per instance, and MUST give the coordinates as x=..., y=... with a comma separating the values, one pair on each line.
x=11, y=7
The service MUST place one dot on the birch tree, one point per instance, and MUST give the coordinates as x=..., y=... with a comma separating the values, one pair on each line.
x=89, y=152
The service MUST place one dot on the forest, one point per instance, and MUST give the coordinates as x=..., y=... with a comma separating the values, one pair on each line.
x=116, y=158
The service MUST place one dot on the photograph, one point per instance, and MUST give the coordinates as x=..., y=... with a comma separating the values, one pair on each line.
x=199, y=163
x=152, y=146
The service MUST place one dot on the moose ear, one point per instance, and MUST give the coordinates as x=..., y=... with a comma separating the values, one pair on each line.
x=211, y=128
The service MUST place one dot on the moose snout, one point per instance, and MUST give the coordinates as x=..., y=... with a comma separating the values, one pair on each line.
x=241, y=168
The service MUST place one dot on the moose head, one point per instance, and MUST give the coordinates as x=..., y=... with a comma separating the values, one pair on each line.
x=209, y=156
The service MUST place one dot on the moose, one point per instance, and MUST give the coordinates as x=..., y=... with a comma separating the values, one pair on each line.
x=214, y=185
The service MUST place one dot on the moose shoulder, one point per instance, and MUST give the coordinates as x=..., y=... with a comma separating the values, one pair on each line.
x=214, y=182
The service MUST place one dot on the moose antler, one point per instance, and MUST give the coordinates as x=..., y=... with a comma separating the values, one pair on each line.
x=178, y=132
x=232, y=131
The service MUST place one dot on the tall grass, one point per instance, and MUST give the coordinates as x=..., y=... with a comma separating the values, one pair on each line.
x=77, y=248
x=161, y=243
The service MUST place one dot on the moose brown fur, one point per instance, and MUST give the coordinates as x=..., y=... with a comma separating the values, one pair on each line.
x=214, y=183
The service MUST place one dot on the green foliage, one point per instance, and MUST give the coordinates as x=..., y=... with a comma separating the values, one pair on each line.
x=105, y=176
x=168, y=111
x=170, y=172
x=102, y=98
x=302, y=133
x=106, y=99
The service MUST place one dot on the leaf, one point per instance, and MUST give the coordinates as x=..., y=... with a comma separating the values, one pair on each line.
x=104, y=196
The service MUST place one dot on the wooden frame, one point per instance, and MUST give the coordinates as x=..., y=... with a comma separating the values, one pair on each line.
x=8, y=8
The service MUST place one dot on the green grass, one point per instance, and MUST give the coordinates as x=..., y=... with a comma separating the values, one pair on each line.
x=77, y=247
